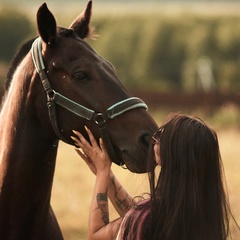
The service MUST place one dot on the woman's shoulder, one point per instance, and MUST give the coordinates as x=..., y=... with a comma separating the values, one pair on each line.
x=135, y=220
x=141, y=200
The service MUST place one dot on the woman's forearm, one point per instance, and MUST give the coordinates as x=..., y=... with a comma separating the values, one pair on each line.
x=99, y=227
x=98, y=214
x=119, y=197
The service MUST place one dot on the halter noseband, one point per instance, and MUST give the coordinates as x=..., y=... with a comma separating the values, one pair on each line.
x=99, y=118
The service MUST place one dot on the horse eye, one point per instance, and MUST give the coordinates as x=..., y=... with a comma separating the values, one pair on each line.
x=80, y=76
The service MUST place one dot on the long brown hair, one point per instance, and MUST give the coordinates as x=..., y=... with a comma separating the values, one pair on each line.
x=187, y=200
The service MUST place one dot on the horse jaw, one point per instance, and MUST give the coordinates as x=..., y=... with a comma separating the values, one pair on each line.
x=82, y=24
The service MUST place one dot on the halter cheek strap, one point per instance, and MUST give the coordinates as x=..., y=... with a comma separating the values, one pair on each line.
x=99, y=118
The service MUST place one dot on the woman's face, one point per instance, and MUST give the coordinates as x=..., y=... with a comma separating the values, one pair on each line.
x=156, y=145
x=156, y=149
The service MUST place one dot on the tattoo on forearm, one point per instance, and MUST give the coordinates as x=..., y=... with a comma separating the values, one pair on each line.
x=121, y=203
x=102, y=201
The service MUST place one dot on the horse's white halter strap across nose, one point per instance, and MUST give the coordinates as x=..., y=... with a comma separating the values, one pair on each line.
x=76, y=108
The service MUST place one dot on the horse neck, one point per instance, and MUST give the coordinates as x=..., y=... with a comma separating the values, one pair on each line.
x=27, y=154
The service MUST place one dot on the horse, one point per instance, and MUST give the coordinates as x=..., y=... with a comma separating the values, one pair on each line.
x=57, y=83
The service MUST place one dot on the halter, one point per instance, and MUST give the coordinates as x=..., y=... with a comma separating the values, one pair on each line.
x=99, y=118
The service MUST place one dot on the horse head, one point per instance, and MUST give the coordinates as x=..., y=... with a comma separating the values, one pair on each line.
x=80, y=78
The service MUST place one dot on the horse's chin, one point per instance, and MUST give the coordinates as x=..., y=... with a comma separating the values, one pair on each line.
x=134, y=165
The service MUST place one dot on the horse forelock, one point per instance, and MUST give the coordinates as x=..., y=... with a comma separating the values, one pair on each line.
x=65, y=32
x=69, y=32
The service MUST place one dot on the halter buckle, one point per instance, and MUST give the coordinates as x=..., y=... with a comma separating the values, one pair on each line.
x=99, y=119
x=50, y=95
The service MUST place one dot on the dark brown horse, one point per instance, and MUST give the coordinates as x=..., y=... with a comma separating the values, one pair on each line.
x=57, y=85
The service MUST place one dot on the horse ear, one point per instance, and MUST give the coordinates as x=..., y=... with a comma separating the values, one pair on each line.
x=82, y=24
x=47, y=27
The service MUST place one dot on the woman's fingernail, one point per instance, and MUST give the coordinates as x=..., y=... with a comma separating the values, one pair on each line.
x=86, y=128
x=101, y=141
x=73, y=138
x=74, y=131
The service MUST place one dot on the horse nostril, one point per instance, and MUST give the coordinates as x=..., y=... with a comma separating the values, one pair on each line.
x=145, y=139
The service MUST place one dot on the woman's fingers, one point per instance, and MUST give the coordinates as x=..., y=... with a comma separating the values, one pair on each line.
x=90, y=149
x=93, y=154
x=104, y=151
x=101, y=144
x=77, y=141
x=91, y=137
x=82, y=155
x=83, y=141
x=87, y=160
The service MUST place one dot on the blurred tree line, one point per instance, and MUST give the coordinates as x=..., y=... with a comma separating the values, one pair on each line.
x=171, y=53
x=152, y=51
x=15, y=28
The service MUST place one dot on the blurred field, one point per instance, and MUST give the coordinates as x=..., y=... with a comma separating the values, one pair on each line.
x=73, y=184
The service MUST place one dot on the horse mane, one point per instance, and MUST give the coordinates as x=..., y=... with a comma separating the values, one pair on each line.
x=16, y=60
x=11, y=106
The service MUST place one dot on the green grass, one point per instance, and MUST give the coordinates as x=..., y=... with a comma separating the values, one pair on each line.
x=73, y=184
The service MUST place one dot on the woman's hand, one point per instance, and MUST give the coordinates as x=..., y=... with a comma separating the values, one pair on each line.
x=87, y=160
x=94, y=155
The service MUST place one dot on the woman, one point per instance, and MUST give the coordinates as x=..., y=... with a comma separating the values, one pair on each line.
x=187, y=200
